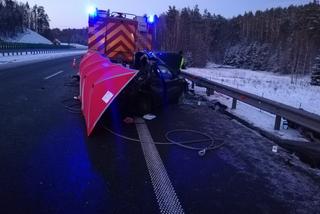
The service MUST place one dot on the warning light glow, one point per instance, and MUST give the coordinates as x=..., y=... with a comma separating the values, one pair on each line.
x=151, y=19
x=92, y=11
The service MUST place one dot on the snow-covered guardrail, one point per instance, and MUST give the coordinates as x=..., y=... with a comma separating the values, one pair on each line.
x=7, y=48
x=298, y=116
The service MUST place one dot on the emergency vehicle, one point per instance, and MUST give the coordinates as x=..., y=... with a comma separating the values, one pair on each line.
x=115, y=40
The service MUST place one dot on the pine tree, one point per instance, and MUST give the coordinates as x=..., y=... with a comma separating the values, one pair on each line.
x=42, y=20
x=315, y=77
x=16, y=17
x=26, y=15
x=316, y=65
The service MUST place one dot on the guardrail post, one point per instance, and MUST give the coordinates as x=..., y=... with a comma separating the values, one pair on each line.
x=277, y=123
x=234, y=103
x=209, y=92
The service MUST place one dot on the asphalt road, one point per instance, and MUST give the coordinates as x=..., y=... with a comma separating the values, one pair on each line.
x=49, y=165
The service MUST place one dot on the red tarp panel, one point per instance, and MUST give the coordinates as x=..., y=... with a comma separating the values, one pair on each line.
x=100, y=83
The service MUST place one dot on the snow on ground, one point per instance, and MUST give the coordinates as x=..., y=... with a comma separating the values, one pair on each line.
x=269, y=85
x=255, y=117
x=28, y=36
x=26, y=59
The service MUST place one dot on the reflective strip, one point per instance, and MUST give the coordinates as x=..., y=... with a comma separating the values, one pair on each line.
x=119, y=39
x=96, y=41
x=111, y=27
x=127, y=38
x=166, y=196
x=119, y=29
x=120, y=44
x=96, y=35
x=96, y=46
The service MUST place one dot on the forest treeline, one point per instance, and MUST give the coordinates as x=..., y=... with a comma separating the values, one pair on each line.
x=79, y=36
x=16, y=17
x=285, y=40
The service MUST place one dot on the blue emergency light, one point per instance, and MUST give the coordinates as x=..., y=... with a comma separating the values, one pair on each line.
x=92, y=11
x=151, y=19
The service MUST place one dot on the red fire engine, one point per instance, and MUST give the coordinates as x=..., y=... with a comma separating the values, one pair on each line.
x=150, y=83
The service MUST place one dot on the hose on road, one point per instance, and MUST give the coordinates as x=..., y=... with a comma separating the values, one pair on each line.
x=186, y=144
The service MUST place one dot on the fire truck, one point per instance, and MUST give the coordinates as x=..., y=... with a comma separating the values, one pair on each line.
x=151, y=82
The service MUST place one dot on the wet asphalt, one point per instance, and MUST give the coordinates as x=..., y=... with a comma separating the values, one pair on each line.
x=49, y=165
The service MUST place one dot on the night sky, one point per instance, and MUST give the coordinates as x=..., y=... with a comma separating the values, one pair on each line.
x=73, y=13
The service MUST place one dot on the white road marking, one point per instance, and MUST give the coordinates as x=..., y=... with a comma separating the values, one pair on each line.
x=166, y=196
x=53, y=75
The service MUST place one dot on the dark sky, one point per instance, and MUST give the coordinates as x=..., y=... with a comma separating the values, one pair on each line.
x=73, y=13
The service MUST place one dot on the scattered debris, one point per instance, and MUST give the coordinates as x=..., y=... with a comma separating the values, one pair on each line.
x=275, y=149
x=149, y=117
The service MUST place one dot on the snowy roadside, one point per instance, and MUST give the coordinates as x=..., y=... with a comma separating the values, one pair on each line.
x=266, y=84
x=256, y=117
x=13, y=61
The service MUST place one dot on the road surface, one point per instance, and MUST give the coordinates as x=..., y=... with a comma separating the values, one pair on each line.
x=49, y=165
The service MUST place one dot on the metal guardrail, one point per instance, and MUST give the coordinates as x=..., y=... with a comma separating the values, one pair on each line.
x=298, y=116
x=8, y=48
